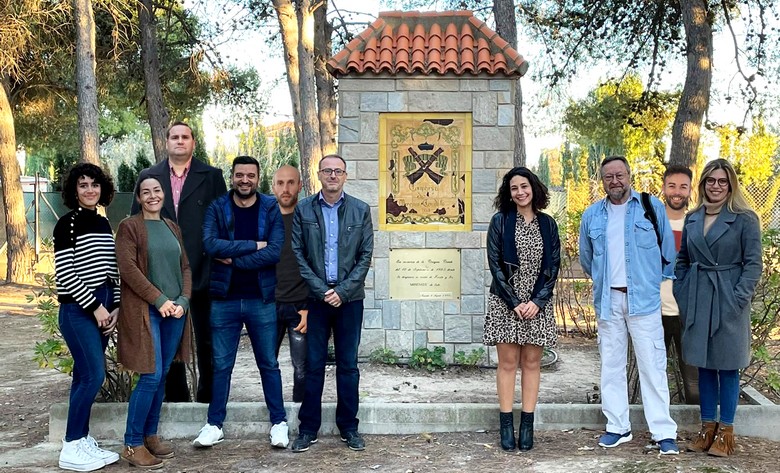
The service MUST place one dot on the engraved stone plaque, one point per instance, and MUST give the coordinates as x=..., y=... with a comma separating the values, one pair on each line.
x=424, y=274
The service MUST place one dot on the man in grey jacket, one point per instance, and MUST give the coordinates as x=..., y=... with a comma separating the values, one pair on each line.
x=333, y=240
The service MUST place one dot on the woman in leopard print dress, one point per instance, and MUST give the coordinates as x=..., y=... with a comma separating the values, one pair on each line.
x=523, y=252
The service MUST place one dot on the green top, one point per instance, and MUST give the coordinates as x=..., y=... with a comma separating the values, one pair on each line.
x=165, y=263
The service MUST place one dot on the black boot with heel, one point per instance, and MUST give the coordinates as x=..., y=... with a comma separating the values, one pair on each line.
x=507, y=430
x=525, y=435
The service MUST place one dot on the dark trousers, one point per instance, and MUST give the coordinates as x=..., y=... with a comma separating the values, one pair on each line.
x=288, y=318
x=228, y=317
x=176, y=389
x=689, y=374
x=345, y=322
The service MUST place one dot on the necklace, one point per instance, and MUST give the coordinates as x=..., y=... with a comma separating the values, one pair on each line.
x=715, y=213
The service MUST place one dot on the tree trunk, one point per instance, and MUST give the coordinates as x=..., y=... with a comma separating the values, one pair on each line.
x=288, y=25
x=326, y=90
x=695, y=98
x=155, y=106
x=86, y=83
x=506, y=27
x=19, y=269
x=311, y=148
x=520, y=152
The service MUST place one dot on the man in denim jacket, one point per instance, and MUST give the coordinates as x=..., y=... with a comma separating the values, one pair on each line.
x=333, y=240
x=619, y=250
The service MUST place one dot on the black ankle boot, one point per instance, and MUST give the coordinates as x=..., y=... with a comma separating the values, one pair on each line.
x=507, y=429
x=525, y=435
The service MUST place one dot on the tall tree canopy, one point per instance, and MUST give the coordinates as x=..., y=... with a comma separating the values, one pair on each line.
x=620, y=117
x=646, y=35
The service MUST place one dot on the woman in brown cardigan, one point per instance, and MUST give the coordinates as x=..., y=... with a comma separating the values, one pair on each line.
x=156, y=284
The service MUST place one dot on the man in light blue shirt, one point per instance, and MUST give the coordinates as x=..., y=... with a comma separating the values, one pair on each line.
x=627, y=260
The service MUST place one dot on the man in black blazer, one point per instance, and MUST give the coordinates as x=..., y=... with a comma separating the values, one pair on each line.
x=189, y=185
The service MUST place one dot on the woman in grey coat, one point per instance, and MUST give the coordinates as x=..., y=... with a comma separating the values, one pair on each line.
x=717, y=269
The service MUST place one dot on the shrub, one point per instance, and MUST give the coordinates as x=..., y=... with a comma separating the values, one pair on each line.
x=471, y=360
x=53, y=353
x=765, y=316
x=423, y=358
x=383, y=356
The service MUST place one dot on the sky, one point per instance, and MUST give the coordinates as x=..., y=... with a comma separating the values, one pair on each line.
x=542, y=123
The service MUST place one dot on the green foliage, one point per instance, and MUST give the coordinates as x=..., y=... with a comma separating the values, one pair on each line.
x=765, y=316
x=431, y=360
x=63, y=161
x=44, y=98
x=471, y=360
x=127, y=176
x=53, y=353
x=621, y=118
x=383, y=356
x=543, y=170
x=273, y=147
x=754, y=155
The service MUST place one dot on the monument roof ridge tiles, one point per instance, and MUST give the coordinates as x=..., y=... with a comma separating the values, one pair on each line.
x=428, y=43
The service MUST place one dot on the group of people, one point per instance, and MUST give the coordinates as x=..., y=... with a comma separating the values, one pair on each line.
x=661, y=278
x=194, y=257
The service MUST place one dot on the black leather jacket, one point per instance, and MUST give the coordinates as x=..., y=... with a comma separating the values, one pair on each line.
x=502, y=258
x=356, y=245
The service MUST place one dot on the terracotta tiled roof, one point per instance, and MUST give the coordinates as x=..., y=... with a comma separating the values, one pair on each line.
x=428, y=43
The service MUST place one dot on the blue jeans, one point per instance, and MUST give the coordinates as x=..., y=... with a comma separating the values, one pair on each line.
x=345, y=322
x=289, y=318
x=143, y=411
x=227, y=319
x=718, y=386
x=87, y=345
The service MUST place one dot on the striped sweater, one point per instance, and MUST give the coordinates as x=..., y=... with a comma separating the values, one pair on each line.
x=84, y=258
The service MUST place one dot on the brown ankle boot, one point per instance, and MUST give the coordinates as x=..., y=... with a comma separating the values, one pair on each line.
x=704, y=438
x=139, y=456
x=157, y=447
x=723, y=445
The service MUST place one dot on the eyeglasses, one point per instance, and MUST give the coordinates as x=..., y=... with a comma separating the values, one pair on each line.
x=722, y=182
x=329, y=171
x=614, y=177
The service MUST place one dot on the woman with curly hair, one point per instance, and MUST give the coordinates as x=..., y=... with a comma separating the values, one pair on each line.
x=87, y=279
x=523, y=250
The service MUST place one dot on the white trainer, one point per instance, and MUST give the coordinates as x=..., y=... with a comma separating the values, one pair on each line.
x=280, y=437
x=74, y=456
x=208, y=436
x=91, y=445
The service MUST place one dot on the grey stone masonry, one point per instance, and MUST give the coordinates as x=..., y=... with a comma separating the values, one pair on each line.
x=403, y=325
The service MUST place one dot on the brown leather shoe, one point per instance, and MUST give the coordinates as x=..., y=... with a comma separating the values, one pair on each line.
x=157, y=447
x=723, y=445
x=704, y=438
x=139, y=456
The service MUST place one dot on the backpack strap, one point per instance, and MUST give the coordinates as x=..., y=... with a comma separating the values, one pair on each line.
x=651, y=216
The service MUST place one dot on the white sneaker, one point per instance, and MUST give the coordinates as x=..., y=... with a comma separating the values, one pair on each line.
x=91, y=446
x=75, y=456
x=208, y=436
x=280, y=435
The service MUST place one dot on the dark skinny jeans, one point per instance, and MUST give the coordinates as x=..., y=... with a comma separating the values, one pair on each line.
x=87, y=345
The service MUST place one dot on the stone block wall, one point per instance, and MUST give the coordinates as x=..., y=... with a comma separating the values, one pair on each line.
x=403, y=326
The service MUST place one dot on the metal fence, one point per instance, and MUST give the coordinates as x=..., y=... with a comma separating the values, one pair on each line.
x=43, y=209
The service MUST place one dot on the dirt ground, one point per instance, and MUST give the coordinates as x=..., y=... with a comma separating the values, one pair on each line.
x=27, y=391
